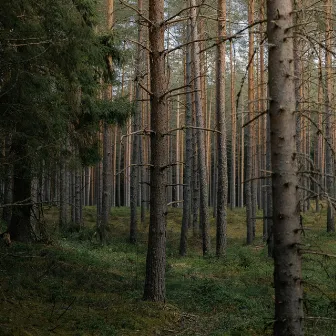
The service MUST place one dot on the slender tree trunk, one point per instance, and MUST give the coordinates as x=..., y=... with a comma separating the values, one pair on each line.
x=286, y=222
x=156, y=253
x=328, y=112
x=204, y=215
x=249, y=149
x=233, y=131
x=187, y=155
x=106, y=183
x=134, y=187
x=64, y=197
x=222, y=189
x=195, y=188
x=78, y=198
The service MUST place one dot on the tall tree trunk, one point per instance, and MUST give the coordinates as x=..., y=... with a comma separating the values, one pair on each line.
x=156, y=253
x=222, y=188
x=77, y=198
x=64, y=196
x=106, y=183
x=204, y=214
x=134, y=188
x=269, y=206
x=249, y=149
x=286, y=222
x=233, y=131
x=195, y=187
x=328, y=111
x=187, y=155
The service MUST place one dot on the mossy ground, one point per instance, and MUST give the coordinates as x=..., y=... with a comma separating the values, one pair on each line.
x=76, y=287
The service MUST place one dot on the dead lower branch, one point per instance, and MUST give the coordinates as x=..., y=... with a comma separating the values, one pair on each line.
x=192, y=127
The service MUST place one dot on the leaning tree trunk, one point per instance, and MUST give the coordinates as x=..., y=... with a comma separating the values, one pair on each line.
x=156, y=253
x=222, y=186
x=286, y=222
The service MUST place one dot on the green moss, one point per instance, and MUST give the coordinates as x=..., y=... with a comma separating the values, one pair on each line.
x=77, y=287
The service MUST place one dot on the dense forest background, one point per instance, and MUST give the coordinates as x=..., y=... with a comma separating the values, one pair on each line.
x=185, y=146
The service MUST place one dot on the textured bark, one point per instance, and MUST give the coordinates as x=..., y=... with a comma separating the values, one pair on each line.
x=106, y=183
x=98, y=192
x=204, y=215
x=233, y=131
x=221, y=217
x=242, y=160
x=195, y=188
x=134, y=187
x=330, y=180
x=187, y=156
x=286, y=223
x=156, y=253
x=269, y=206
x=249, y=192
x=134, y=184
x=78, y=199
x=319, y=138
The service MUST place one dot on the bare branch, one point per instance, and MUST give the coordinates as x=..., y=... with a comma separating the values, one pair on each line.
x=137, y=11
x=140, y=44
x=255, y=118
x=236, y=35
x=193, y=127
x=139, y=132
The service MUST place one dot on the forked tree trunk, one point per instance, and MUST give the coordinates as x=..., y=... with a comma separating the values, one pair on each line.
x=286, y=225
x=156, y=253
x=221, y=217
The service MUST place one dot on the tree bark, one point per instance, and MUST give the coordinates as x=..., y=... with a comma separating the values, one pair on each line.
x=156, y=253
x=187, y=155
x=249, y=150
x=204, y=213
x=221, y=217
x=286, y=223
x=328, y=112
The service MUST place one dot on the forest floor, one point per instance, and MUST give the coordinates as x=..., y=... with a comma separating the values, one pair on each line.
x=76, y=287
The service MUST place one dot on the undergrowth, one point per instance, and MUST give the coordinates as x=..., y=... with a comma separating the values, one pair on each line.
x=77, y=287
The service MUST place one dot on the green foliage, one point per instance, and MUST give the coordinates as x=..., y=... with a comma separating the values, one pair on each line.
x=52, y=65
x=116, y=111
